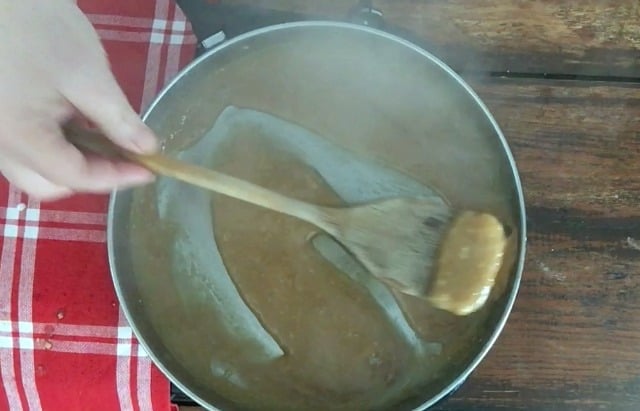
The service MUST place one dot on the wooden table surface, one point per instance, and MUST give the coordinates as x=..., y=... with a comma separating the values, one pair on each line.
x=562, y=79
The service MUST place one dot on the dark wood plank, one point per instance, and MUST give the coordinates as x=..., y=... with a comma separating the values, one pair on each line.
x=589, y=37
x=573, y=340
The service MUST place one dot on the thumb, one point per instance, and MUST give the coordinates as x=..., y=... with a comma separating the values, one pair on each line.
x=102, y=101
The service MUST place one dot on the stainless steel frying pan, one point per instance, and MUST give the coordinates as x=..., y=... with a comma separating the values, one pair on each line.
x=374, y=94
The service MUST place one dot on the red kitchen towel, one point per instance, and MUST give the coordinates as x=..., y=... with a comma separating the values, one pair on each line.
x=64, y=342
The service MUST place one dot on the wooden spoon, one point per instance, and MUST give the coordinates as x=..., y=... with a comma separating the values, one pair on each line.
x=398, y=240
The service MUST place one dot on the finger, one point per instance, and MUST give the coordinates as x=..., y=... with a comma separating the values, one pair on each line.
x=102, y=101
x=51, y=156
x=33, y=184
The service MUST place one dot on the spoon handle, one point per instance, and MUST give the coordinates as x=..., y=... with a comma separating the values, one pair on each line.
x=95, y=142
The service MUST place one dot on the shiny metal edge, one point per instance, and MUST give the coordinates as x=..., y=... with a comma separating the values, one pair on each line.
x=522, y=240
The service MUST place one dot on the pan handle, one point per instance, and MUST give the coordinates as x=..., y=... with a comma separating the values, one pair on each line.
x=365, y=14
x=213, y=21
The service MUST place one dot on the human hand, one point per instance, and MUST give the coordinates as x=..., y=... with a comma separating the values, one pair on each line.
x=52, y=69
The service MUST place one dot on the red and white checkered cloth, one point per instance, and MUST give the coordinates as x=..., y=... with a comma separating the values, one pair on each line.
x=64, y=342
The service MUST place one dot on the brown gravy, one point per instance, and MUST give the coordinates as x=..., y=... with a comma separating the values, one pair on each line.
x=341, y=352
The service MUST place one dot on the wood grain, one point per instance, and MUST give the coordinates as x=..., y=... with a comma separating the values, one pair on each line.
x=573, y=339
x=586, y=37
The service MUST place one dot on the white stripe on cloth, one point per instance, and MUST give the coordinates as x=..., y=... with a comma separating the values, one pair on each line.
x=32, y=232
x=152, y=76
x=90, y=332
x=144, y=381
x=73, y=217
x=126, y=36
x=71, y=234
x=154, y=54
x=55, y=216
x=54, y=344
x=7, y=261
x=150, y=88
x=176, y=40
x=74, y=330
x=121, y=21
x=25, y=306
x=123, y=364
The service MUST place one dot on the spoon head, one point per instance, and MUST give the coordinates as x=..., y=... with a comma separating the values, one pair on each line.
x=420, y=248
x=469, y=259
x=396, y=240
